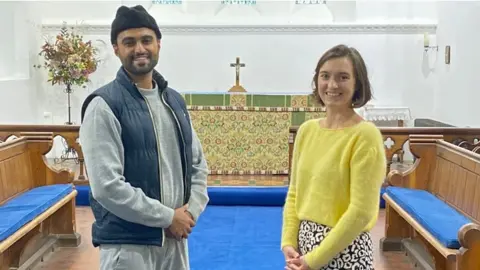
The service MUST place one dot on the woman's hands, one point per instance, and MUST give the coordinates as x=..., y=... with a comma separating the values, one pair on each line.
x=297, y=264
x=293, y=259
x=290, y=253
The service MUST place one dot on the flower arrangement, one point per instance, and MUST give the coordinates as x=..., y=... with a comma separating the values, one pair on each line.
x=69, y=60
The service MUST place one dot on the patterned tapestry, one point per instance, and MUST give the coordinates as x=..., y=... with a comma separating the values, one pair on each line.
x=242, y=139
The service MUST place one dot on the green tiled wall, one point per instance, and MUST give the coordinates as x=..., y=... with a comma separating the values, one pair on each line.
x=298, y=118
x=252, y=100
x=269, y=101
x=208, y=100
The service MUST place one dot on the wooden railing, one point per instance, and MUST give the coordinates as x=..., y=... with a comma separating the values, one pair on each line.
x=396, y=137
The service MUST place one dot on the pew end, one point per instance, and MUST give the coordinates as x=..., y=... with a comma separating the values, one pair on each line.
x=41, y=143
x=431, y=211
x=469, y=237
x=38, y=200
x=402, y=178
x=58, y=176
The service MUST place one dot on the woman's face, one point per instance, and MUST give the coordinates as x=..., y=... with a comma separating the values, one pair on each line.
x=336, y=82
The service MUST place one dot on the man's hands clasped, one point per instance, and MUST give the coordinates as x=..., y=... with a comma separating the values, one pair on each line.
x=182, y=224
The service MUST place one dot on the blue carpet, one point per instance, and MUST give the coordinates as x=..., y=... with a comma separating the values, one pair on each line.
x=237, y=238
x=240, y=229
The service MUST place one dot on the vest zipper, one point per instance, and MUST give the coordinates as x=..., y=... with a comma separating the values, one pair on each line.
x=159, y=160
x=184, y=154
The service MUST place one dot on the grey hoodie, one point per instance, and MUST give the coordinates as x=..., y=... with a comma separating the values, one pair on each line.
x=105, y=169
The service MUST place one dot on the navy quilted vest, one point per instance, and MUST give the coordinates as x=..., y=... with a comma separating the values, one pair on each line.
x=141, y=155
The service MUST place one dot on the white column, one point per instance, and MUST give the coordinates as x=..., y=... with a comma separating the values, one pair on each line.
x=7, y=43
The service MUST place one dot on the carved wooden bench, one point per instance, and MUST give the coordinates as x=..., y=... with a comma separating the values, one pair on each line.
x=433, y=209
x=37, y=204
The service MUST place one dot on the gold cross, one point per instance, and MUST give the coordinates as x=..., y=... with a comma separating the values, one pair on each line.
x=237, y=65
x=237, y=87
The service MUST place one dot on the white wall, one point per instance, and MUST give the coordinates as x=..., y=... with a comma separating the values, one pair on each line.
x=18, y=89
x=17, y=101
x=457, y=93
x=199, y=62
x=402, y=73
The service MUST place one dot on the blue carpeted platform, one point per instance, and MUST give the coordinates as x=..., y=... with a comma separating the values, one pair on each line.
x=252, y=196
x=82, y=197
x=240, y=228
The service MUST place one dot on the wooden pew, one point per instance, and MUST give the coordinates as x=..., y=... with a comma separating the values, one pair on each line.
x=474, y=147
x=433, y=209
x=68, y=132
x=37, y=204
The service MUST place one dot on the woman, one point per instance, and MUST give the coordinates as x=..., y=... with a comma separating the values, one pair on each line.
x=338, y=167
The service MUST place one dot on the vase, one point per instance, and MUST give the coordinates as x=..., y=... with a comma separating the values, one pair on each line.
x=68, y=152
x=69, y=91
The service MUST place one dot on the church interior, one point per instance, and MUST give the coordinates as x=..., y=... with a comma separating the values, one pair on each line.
x=247, y=98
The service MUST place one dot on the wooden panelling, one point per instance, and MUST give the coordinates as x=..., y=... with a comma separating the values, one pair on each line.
x=451, y=173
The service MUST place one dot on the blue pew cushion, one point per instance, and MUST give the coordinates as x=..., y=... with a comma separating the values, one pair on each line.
x=436, y=216
x=25, y=207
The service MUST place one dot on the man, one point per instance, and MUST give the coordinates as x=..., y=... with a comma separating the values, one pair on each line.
x=145, y=163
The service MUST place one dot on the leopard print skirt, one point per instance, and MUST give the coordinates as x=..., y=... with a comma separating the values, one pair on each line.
x=358, y=255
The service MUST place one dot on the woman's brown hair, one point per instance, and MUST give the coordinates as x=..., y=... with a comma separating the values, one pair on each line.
x=363, y=91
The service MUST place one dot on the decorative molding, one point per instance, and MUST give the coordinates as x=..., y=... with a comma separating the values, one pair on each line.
x=334, y=28
x=259, y=172
x=254, y=109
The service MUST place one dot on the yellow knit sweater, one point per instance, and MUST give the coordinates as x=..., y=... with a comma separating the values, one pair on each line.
x=335, y=180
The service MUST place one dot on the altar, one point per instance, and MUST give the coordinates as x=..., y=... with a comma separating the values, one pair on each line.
x=244, y=133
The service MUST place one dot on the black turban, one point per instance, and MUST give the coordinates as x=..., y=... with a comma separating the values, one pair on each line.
x=134, y=17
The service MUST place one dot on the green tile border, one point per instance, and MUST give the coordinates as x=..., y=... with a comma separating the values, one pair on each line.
x=188, y=99
x=252, y=100
x=249, y=100
x=269, y=101
x=288, y=100
x=226, y=100
x=258, y=109
x=208, y=100
x=297, y=118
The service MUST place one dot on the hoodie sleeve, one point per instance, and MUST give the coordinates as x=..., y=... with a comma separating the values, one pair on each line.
x=199, y=198
x=101, y=142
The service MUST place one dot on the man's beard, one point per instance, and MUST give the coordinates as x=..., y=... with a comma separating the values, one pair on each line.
x=139, y=70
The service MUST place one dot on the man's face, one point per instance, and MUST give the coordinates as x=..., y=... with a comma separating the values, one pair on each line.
x=138, y=50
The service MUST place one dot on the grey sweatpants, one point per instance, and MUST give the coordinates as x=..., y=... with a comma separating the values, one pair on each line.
x=172, y=256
